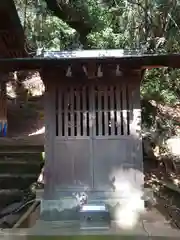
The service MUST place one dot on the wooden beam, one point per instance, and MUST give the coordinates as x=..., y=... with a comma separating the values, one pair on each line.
x=27, y=215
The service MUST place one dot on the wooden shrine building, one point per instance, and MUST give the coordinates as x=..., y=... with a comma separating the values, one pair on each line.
x=93, y=120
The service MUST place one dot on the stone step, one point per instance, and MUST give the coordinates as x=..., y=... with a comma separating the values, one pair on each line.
x=21, y=148
x=25, y=155
x=9, y=192
x=9, y=175
x=12, y=161
x=17, y=181
x=14, y=168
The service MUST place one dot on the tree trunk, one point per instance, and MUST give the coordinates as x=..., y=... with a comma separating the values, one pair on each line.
x=77, y=17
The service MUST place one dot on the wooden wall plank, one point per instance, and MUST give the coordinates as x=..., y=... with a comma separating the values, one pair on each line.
x=50, y=134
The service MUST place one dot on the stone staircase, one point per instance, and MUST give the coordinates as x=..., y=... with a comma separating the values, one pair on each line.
x=19, y=168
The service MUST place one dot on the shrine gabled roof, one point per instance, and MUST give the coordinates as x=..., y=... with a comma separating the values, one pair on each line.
x=125, y=60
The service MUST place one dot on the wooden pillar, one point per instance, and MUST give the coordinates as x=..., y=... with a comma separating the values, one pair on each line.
x=3, y=109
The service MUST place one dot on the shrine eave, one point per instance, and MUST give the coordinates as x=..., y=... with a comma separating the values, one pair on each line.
x=65, y=59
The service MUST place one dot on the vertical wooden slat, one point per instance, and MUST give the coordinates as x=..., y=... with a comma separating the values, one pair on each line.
x=78, y=112
x=92, y=111
x=128, y=110
x=59, y=112
x=112, y=110
x=69, y=111
x=106, y=123
x=72, y=110
x=124, y=110
x=118, y=111
x=88, y=109
x=130, y=90
x=75, y=112
x=84, y=104
x=100, y=111
x=81, y=112
x=62, y=111
x=115, y=111
x=66, y=112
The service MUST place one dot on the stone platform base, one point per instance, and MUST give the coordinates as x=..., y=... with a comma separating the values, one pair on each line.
x=65, y=207
x=152, y=225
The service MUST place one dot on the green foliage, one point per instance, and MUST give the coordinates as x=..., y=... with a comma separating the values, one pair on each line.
x=107, y=39
x=157, y=85
x=149, y=113
x=114, y=24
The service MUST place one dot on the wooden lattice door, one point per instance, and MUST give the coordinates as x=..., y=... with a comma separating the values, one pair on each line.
x=92, y=130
